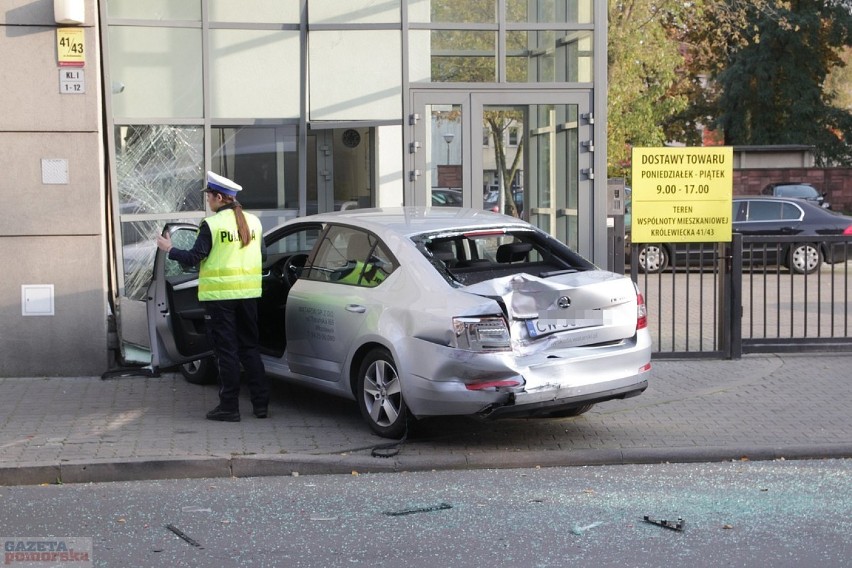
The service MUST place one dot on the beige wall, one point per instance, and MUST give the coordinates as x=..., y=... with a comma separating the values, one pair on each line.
x=51, y=233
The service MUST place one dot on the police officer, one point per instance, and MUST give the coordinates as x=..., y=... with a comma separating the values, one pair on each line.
x=229, y=248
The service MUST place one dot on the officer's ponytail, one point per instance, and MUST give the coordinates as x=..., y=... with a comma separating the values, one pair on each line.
x=242, y=227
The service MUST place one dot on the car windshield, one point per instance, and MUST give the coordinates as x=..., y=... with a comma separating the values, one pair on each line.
x=465, y=258
x=800, y=191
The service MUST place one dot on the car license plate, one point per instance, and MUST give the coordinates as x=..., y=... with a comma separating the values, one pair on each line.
x=541, y=326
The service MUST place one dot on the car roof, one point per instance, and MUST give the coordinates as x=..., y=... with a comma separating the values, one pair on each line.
x=771, y=198
x=778, y=183
x=416, y=220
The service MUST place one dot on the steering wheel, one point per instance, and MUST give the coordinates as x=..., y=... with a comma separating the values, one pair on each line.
x=289, y=270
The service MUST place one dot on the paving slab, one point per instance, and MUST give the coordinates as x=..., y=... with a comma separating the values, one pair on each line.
x=81, y=429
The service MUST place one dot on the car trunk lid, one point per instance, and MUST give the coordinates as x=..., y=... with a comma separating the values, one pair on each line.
x=573, y=309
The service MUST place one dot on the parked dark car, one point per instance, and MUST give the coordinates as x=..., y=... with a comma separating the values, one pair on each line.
x=491, y=201
x=442, y=197
x=766, y=216
x=799, y=190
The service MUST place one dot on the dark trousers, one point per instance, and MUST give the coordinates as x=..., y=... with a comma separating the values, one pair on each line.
x=232, y=325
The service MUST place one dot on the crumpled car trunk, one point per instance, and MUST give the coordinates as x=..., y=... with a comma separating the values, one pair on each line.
x=567, y=310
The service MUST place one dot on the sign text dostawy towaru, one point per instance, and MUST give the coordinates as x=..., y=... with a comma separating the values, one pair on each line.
x=682, y=194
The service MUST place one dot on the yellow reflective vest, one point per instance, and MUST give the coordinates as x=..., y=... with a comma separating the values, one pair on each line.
x=231, y=271
x=367, y=275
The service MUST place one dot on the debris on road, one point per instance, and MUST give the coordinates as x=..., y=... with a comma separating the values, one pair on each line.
x=183, y=535
x=578, y=530
x=675, y=526
x=440, y=507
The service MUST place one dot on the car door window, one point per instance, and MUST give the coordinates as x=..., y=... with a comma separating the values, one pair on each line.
x=740, y=211
x=351, y=256
x=790, y=212
x=182, y=239
x=764, y=211
x=301, y=241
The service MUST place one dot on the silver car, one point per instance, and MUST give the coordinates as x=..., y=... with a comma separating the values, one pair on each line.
x=421, y=312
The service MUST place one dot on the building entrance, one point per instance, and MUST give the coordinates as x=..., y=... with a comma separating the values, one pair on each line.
x=340, y=169
x=526, y=154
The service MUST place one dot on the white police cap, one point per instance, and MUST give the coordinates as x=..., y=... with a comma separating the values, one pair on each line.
x=223, y=185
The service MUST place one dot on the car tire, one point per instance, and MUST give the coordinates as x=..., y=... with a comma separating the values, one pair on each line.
x=200, y=371
x=652, y=259
x=379, y=395
x=804, y=258
x=571, y=412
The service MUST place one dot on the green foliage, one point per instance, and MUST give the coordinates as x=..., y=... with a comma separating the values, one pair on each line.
x=772, y=87
x=767, y=62
x=839, y=81
x=645, y=86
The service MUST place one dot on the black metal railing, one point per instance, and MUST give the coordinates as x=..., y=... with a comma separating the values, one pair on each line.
x=720, y=300
x=683, y=300
x=783, y=310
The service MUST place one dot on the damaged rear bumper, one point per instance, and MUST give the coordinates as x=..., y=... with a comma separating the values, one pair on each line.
x=521, y=406
x=437, y=380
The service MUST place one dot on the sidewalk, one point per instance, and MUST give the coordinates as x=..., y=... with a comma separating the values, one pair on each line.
x=85, y=429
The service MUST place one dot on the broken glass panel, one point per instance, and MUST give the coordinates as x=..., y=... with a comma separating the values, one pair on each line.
x=159, y=171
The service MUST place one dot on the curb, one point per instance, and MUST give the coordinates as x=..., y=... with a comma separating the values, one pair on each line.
x=146, y=469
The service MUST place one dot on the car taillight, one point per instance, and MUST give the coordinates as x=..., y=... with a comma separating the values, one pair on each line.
x=641, y=312
x=848, y=231
x=482, y=333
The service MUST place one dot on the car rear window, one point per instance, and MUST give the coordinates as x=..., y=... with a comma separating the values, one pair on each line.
x=800, y=191
x=476, y=256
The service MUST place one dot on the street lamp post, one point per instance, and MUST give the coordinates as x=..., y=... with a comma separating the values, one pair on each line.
x=448, y=138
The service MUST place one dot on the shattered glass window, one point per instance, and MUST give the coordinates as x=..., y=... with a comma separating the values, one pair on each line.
x=159, y=171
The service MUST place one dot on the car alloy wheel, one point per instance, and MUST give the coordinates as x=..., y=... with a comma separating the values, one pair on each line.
x=200, y=371
x=653, y=258
x=380, y=395
x=805, y=258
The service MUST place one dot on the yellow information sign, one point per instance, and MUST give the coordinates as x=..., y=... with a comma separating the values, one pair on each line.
x=682, y=194
x=70, y=47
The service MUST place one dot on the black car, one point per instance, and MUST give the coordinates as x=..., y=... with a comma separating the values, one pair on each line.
x=446, y=197
x=797, y=189
x=491, y=201
x=765, y=216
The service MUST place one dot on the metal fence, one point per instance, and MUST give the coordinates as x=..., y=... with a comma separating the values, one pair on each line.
x=724, y=299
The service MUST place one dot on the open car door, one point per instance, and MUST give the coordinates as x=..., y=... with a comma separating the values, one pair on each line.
x=175, y=316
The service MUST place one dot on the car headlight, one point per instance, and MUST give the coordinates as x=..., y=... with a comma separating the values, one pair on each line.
x=482, y=333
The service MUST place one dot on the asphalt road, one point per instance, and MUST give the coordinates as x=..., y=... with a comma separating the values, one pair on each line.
x=779, y=513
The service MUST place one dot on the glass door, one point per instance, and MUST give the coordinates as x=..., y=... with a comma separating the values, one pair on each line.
x=524, y=154
x=440, y=154
x=340, y=169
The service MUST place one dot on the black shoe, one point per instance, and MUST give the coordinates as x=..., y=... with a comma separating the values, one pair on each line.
x=261, y=411
x=223, y=415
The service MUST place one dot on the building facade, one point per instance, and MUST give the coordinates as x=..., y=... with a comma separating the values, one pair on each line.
x=120, y=106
